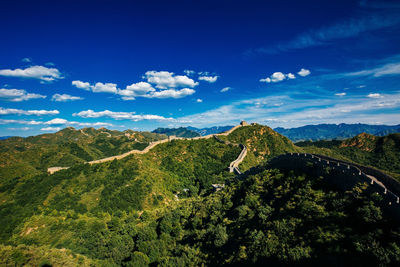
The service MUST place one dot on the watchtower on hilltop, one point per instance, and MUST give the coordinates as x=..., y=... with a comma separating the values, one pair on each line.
x=244, y=123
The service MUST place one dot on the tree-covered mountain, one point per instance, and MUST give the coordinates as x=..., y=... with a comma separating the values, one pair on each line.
x=179, y=132
x=160, y=208
x=382, y=152
x=20, y=157
x=335, y=131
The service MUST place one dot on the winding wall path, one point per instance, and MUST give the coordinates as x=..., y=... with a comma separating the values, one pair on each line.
x=347, y=175
x=232, y=167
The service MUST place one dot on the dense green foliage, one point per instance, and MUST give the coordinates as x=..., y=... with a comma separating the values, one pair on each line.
x=262, y=142
x=179, y=132
x=380, y=152
x=20, y=157
x=335, y=131
x=159, y=208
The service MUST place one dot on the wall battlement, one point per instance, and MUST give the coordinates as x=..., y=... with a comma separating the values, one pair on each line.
x=345, y=175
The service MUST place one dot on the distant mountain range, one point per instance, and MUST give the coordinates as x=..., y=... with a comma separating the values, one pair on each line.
x=335, y=131
x=4, y=137
x=179, y=132
x=189, y=132
x=211, y=130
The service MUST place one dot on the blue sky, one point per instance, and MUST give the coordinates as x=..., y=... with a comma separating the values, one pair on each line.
x=148, y=64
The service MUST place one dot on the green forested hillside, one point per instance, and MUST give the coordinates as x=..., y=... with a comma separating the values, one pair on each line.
x=262, y=142
x=159, y=208
x=380, y=152
x=94, y=193
x=20, y=157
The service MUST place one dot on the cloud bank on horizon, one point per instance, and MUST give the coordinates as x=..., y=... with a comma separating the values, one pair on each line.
x=203, y=73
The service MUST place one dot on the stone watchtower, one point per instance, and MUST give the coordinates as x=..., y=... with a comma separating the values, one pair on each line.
x=244, y=123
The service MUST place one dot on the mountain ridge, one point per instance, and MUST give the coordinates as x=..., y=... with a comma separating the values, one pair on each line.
x=335, y=131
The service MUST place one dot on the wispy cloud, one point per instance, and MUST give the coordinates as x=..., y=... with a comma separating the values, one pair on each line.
x=341, y=30
x=374, y=95
x=50, y=129
x=120, y=115
x=340, y=94
x=19, y=128
x=13, y=111
x=18, y=95
x=225, y=89
x=35, y=72
x=56, y=121
x=387, y=69
x=289, y=112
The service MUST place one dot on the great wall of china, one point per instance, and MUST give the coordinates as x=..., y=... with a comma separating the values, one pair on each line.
x=345, y=176
x=233, y=164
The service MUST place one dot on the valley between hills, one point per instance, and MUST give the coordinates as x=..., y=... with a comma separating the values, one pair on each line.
x=247, y=196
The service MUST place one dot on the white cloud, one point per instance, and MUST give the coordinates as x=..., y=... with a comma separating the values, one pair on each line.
x=65, y=98
x=136, y=89
x=96, y=88
x=12, y=111
x=275, y=77
x=374, y=95
x=119, y=115
x=199, y=100
x=26, y=60
x=225, y=89
x=210, y=79
x=189, y=72
x=56, y=121
x=166, y=82
x=165, y=79
x=291, y=76
x=17, y=95
x=3, y=121
x=279, y=76
x=35, y=72
x=104, y=88
x=304, y=72
x=266, y=80
x=340, y=94
x=82, y=85
x=171, y=93
x=20, y=129
x=51, y=129
x=361, y=86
